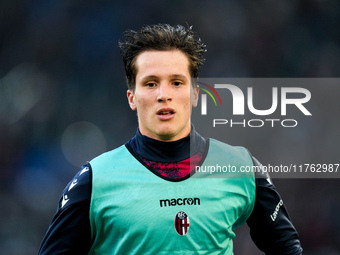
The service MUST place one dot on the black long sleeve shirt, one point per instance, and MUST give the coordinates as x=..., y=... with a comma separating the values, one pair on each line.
x=70, y=231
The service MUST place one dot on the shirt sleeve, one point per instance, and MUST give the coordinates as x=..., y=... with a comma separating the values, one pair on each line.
x=70, y=230
x=270, y=226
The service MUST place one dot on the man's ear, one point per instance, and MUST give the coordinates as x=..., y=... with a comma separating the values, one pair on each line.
x=131, y=99
x=195, y=97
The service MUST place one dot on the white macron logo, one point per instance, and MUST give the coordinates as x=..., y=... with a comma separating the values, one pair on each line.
x=74, y=183
x=84, y=170
x=64, y=201
x=277, y=209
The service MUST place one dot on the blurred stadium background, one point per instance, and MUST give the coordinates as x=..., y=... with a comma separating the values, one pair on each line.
x=62, y=98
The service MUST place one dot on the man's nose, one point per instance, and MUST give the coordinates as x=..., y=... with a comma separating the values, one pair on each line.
x=164, y=93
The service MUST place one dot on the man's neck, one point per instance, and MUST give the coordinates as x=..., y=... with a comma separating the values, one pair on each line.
x=161, y=151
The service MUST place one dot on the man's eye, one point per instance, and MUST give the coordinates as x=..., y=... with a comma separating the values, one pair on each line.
x=177, y=83
x=151, y=84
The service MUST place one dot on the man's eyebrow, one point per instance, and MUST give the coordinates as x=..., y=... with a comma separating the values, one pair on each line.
x=149, y=77
x=155, y=77
x=178, y=76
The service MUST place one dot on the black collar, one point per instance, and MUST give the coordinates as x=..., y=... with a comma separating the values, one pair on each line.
x=159, y=151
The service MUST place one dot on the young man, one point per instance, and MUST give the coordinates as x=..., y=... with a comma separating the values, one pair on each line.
x=145, y=197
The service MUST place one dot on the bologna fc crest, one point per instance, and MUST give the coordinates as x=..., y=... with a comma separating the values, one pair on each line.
x=182, y=223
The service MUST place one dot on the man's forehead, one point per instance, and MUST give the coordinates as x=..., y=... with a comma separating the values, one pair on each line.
x=173, y=63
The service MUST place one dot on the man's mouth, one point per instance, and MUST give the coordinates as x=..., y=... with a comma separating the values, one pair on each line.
x=167, y=111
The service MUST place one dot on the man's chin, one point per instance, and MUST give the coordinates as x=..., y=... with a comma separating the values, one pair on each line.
x=168, y=134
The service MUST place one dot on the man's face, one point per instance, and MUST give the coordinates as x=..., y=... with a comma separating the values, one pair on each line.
x=163, y=96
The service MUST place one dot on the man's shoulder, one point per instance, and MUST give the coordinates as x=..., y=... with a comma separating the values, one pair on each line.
x=110, y=156
x=227, y=146
x=232, y=151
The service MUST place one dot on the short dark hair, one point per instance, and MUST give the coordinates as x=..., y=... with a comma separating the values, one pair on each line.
x=160, y=37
